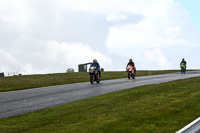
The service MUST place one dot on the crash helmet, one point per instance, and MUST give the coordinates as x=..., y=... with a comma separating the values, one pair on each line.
x=183, y=59
x=94, y=61
x=130, y=60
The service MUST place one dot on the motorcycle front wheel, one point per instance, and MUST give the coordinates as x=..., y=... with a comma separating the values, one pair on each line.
x=182, y=71
x=91, y=79
x=129, y=76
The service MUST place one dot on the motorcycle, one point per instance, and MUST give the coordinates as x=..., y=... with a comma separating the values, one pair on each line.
x=130, y=72
x=94, y=75
x=183, y=68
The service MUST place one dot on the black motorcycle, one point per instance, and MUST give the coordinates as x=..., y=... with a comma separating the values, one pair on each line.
x=94, y=75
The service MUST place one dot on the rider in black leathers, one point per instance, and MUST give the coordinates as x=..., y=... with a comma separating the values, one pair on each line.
x=132, y=64
x=184, y=62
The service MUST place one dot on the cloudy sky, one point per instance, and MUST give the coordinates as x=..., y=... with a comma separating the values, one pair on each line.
x=49, y=36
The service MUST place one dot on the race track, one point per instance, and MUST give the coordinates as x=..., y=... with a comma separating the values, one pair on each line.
x=23, y=101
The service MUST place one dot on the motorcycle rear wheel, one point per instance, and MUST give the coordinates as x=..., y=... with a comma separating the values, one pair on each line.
x=98, y=81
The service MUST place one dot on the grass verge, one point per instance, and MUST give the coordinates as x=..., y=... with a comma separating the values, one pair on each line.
x=34, y=81
x=161, y=108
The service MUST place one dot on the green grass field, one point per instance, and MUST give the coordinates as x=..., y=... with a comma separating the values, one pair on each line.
x=34, y=81
x=160, y=108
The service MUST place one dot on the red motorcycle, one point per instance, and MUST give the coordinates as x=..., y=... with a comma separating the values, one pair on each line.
x=130, y=72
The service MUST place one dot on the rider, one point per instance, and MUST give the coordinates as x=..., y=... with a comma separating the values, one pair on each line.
x=184, y=62
x=132, y=64
x=96, y=64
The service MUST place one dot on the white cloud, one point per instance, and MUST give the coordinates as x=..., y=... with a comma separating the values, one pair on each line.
x=156, y=59
x=15, y=12
x=153, y=39
x=51, y=57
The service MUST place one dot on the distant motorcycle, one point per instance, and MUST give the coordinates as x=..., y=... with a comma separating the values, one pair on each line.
x=183, y=68
x=94, y=75
x=130, y=72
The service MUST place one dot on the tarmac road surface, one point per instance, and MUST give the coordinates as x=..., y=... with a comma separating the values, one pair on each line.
x=18, y=102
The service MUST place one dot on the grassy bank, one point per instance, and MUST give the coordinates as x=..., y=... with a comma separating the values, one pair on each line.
x=34, y=81
x=161, y=108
